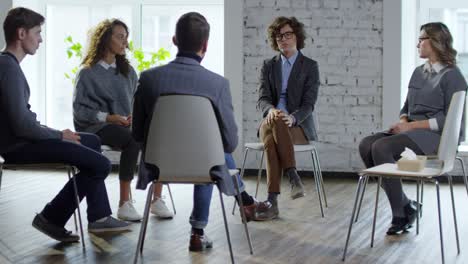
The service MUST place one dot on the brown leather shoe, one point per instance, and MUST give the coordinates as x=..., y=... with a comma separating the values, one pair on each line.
x=250, y=210
x=199, y=242
x=266, y=211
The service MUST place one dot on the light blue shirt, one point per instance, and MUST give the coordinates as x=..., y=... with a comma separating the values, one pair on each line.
x=286, y=67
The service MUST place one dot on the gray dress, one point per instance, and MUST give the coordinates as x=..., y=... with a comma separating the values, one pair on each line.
x=429, y=95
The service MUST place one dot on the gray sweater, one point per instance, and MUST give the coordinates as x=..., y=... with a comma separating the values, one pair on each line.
x=19, y=124
x=100, y=90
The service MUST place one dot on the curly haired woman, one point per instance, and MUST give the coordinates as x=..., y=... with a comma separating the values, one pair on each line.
x=102, y=105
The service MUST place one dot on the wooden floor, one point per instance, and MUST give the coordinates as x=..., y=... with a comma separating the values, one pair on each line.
x=300, y=235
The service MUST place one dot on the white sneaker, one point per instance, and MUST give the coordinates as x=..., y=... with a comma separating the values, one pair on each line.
x=127, y=212
x=160, y=209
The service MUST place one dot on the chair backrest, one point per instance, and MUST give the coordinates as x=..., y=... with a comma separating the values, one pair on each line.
x=184, y=141
x=451, y=133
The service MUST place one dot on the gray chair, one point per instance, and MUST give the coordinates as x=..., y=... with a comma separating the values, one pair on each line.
x=443, y=164
x=184, y=143
x=297, y=148
x=51, y=166
x=111, y=150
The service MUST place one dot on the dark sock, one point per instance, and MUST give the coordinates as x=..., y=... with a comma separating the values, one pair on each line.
x=273, y=197
x=292, y=174
x=246, y=199
x=197, y=231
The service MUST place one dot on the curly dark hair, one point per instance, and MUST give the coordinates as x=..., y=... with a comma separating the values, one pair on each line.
x=282, y=21
x=100, y=41
x=441, y=42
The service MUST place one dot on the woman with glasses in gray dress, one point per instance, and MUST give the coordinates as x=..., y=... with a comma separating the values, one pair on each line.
x=421, y=119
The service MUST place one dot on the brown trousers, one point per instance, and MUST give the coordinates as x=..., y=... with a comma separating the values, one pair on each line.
x=278, y=140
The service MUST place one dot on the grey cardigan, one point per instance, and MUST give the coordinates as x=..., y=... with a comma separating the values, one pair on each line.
x=19, y=124
x=302, y=90
x=429, y=96
x=101, y=90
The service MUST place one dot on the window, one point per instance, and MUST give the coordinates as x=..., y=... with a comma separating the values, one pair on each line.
x=158, y=27
x=151, y=24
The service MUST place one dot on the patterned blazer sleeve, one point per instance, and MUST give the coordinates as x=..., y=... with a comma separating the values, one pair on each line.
x=265, y=100
x=310, y=93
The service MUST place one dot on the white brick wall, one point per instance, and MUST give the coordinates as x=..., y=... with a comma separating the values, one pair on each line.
x=348, y=48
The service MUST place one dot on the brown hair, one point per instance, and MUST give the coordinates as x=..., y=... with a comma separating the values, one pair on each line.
x=279, y=23
x=192, y=30
x=441, y=42
x=100, y=40
x=20, y=17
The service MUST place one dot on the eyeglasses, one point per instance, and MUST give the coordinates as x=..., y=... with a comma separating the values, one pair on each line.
x=286, y=35
x=421, y=39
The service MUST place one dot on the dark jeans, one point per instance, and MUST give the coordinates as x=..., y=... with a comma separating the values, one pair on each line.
x=382, y=148
x=121, y=137
x=93, y=169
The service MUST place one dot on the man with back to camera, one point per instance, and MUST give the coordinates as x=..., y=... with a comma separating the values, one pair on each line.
x=186, y=76
x=24, y=140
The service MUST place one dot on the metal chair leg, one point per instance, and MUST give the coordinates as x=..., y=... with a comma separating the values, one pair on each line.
x=464, y=173
x=418, y=207
x=172, y=199
x=375, y=210
x=358, y=191
x=362, y=197
x=317, y=186
x=77, y=198
x=454, y=213
x=440, y=223
x=244, y=219
x=319, y=170
x=259, y=177
x=226, y=226
x=144, y=224
x=242, y=177
x=422, y=198
x=316, y=176
x=74, y=213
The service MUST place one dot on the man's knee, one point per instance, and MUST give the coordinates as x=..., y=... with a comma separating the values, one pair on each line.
x=103, y=166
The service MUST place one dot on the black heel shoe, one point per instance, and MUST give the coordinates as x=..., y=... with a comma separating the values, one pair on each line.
x=399, y=224
x=402, y=224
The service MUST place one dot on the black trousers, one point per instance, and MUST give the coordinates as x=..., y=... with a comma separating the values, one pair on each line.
x=383, y=148
x=121, y=137
x=93, y=169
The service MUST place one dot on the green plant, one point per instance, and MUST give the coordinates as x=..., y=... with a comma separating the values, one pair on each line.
x=156, y=58
x=74, y=50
